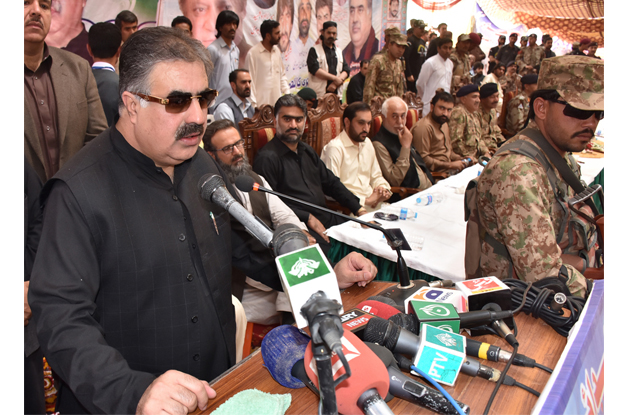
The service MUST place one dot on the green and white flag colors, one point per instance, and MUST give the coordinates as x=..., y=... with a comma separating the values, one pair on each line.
x=441, y=354
x=441, y=315
x=304, y=272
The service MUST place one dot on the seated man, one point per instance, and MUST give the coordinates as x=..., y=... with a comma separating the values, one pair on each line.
x=487, y=114
x=401, y=165
x=237, y=106
x=530, y=231
x=293, y=167
x=464, y=126
x=430, y=136
x=357, y=83
x=351, y=157
x=262, y=297
x=519, y=106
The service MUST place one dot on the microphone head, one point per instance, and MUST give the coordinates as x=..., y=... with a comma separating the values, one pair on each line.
x=288, y=238
x=208, y=184
x=378, y=309
x=368, y=372
x=386, y=300
x=281, y=348
x=244, y=183
x=383, y=332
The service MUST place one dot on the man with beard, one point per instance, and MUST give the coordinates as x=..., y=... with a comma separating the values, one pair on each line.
x=263, y=298
x=465, y=129
x=401, y=165
x=237, y=106
x=325, y=63
x=303, y=42
x=393, y=10
x=363, y=43
x=293, y=167
x=527, y=227
x=487, y=114
x=493, y=52
x=224, y=53
x=547, y=44
x=285, y=13
x=266, y=66
x=130, y=290
x=351, y=157
x=529, y=57
x=430, y=136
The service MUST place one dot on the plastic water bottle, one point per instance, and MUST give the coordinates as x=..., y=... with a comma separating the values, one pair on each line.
x=425, y=199
x=407, y=214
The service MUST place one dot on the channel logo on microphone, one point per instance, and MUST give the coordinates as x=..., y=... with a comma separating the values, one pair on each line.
x=481, y=285
x=441, y=315
x=439, y=295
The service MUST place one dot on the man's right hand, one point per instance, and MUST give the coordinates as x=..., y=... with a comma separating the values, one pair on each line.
x=405, y=138
x=175, y=393
x=314, y=224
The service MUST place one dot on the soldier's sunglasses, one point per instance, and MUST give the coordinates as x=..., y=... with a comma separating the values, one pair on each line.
x=573, y=112
x=180, y=103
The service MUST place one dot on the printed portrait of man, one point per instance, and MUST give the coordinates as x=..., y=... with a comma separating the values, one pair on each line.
x=323, y=12
x=66, y=29
x=363, y=43
x=393, y=9
x=285, y=13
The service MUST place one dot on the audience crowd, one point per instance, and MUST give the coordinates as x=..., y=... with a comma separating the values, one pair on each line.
x=111, y=138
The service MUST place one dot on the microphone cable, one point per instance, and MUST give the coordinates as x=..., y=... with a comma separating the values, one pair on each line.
x=546, y=304
x=440, y=388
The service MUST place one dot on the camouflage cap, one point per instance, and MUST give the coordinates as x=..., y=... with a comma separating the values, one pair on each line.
x=463, y=37
x=578, y=80
x=418, y=23
x=392, y=34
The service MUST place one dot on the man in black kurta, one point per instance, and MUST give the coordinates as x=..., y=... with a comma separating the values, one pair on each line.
x=130, y=289
x=292, y=167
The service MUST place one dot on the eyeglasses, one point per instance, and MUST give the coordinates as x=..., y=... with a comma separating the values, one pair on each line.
x=573, y=112
x=180, y=103
x=229, y=149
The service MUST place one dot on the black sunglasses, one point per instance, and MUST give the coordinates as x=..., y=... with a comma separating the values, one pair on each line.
x=180, y=103
x=573, y=112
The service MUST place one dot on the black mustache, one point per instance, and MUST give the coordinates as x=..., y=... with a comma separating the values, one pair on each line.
x=189, y=129
x=586, y=131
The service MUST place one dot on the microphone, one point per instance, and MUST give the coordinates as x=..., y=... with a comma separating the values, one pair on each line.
x=481, y=292
x=402, y=341
x=213, y=189
x=412, y=391
x=378, y=308
x=288, y=238
x=362, y=391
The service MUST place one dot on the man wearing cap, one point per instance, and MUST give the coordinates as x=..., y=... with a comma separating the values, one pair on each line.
x=487, y=114
x=415, y=53
x=510, y=80
x=328, y=70
x=529, y=57
x=519, y=106
x=462, y=65
x=386, y=71
x=507, y=53
x=575, y=50
x=592, y=49
x=465, y=129
x=523, y=42
x=496, y=77
x=493, y=52
x=476, y=50
x=518, y=208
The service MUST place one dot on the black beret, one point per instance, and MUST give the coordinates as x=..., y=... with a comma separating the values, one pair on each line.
x=488, y=89
x=529, y=79
x=467, y=89
x=328, y=24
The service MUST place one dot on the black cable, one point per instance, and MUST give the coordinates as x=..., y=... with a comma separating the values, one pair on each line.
x=545, y=368
x=527, y=388
x=537, y=303
x=500, y=380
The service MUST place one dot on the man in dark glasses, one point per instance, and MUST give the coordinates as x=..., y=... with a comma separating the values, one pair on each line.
x=131, y=287
x=529, y=226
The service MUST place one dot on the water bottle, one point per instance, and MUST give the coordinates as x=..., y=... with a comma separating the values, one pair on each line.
x=424, y=199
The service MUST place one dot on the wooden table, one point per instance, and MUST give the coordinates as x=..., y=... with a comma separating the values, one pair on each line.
x=537, y=341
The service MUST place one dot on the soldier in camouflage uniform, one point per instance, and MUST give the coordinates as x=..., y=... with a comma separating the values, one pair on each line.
x=386, y=71
x=519, y=106
x=530, y=56
x=517, y=206
x=465, y=130
x=462, y=64
x=487, y=114
x=508, y=82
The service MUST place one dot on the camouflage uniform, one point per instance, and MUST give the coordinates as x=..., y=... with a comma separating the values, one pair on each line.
x=465, y=132
x=385, y=77
x=528, y=58
x=510, y=83
x=491, y=133
x=516, y=203
x=518, y=108
x=461, y=75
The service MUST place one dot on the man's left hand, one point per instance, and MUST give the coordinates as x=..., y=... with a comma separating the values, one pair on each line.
x=354, y=268
x=311, y=239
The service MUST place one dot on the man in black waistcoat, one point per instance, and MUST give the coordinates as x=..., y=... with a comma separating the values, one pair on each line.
x=400, y=163
x=130, y=290
x=237, y=106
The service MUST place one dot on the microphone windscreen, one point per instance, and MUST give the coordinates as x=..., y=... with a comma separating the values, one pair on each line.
x=378, y=309
x=281, y=348
x=208, y=184
x=384, y=300
x=367, y=372
x=288, y=238
x=244, y=183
